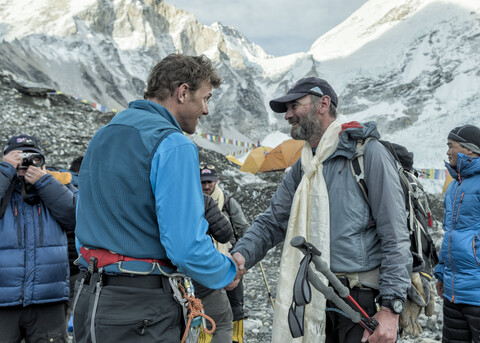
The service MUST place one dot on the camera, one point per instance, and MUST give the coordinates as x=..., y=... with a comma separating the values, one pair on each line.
x=32, y=159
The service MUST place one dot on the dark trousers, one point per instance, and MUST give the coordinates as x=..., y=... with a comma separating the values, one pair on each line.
x=217, y=307
x=35, y=323
x=235, y=296
x=126, y=313
x=340, y=329
x=461, y=323
x=73, y=279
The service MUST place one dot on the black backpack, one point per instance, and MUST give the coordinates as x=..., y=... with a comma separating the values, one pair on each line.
x=416, y=201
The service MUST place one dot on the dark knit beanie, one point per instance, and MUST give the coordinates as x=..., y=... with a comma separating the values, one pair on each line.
x=467, y=136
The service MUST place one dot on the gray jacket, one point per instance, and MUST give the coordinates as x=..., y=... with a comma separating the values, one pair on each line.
x=234, y=212
x=360, y=239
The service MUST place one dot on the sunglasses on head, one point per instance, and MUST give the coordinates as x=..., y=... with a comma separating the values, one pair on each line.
x=302, y=295
x=208, y=166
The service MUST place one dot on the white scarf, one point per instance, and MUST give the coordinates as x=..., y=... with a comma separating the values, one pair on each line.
x=218, y=196
x=310, y=218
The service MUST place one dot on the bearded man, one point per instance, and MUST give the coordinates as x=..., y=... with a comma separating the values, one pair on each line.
x=365, y=244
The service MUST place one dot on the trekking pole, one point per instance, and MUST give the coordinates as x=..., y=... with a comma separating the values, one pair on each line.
x=360, y=317
x=266, y=284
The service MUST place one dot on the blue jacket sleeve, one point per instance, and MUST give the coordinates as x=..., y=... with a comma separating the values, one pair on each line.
x=175, y=181
x=60, y=200
x=7, y=174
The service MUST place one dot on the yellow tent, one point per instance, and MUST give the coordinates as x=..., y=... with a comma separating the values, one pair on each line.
x=282, y=156
x=255, y=159
x=448, y=179
x=234, y=160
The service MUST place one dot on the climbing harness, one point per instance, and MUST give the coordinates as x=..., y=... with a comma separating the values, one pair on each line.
x=181, y=285
x=106, y=257
x=302, y=294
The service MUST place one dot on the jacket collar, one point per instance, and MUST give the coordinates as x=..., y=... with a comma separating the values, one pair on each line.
x=153, y=107
x=467, y=166
x=350, y=134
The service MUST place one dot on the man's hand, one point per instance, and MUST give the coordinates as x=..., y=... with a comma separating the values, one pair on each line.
x=34, y=174
x=232, y=285
x=239, y=261
x=386, y=331
x=14, y=158
x=439, y=286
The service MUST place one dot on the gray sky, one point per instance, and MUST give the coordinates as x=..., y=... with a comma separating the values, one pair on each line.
x=280, y=27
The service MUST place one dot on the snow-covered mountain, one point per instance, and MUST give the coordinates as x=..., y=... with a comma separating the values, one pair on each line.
x=103, y=51
x=411, y=65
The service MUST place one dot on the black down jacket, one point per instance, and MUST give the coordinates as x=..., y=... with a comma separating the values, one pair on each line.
x=219, y=226
x=220, y=229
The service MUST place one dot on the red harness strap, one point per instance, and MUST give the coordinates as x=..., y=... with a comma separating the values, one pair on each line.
x=106, y=257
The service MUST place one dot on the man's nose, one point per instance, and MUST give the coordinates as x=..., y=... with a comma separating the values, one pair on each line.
x=288, y=114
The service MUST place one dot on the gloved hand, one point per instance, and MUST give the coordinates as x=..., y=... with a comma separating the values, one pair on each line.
x=429, y=291
x=430, y=308
x=418, y=296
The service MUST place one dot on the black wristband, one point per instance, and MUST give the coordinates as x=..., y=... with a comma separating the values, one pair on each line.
x=396, y=305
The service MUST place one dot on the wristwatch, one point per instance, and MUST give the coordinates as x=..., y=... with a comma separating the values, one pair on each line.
x=396, y=305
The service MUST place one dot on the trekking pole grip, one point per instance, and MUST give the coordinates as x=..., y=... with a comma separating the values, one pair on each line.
x=320, y=265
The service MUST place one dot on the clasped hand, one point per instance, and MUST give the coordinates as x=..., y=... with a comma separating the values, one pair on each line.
x=239, y=261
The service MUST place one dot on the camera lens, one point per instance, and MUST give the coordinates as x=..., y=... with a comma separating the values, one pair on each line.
x=33, y=159
x=37, y=161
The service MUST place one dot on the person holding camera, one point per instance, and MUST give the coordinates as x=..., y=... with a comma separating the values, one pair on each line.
x=35, y=212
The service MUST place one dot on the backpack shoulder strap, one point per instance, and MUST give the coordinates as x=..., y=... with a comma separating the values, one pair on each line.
x=226, y=203
x=357, y=166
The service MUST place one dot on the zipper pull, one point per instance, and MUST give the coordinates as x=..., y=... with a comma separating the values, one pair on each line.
x=145, y=324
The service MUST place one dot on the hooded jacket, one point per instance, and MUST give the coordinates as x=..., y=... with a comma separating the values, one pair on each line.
x=360, y=239
x=459, y=266
x=33, y=245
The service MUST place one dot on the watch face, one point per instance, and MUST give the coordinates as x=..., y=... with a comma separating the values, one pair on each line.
x=397, y=306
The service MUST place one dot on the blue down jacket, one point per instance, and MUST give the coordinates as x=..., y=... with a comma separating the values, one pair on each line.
x=33, y=245
x=459, y=265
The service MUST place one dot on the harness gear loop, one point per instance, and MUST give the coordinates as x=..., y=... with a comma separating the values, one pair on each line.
x=195, y=309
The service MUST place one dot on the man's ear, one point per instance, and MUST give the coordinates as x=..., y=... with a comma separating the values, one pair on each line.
x=325, y=101
x=323, y=106
x=471, y=153
x=182, y=92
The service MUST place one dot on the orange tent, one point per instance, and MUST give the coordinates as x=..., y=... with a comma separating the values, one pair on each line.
x=282, y=156
x=255, y=159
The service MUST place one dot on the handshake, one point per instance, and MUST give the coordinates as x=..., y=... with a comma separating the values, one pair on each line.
x=239, y=261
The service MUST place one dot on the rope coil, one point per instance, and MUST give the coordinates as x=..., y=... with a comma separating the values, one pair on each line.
x=195, y=309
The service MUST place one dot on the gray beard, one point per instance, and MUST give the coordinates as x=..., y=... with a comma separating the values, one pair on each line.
x=309, y=129
x=302, y=132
